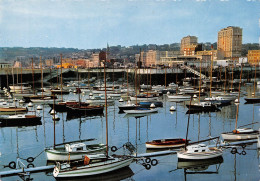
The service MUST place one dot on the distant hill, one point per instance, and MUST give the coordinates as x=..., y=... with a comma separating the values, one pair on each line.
x=12, y=53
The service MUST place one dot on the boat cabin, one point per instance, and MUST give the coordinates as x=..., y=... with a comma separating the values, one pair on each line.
x=75, y=147
x=197, y=148
x=203, y=104
x=243, y=130
x=17, y=116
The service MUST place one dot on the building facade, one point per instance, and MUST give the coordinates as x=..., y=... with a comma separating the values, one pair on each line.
x=5, y=65
x=230, y=42
x=253, y=57
x=95, y=59
x=149, y=58
x=187, y=42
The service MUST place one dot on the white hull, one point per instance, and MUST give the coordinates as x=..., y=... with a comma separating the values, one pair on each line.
x=43, y=101
x=235, y=137
x=19, y=88
x=102, y=91
x=178, y=97
x=98, y=101
x=143, y=99
x=55, y=155
x=93, y=169
x=150, y=146
x=140, y=111
x=213, y=153
x=114, y=95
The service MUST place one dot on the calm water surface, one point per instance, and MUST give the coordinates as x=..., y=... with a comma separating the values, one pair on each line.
x=24, y=142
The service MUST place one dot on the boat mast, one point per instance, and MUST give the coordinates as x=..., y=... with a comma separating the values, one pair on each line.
x=78, y=87
x=239, y=94
x=232, y=76
x=127, y=82
x=33, y=77
x=41, y=75
x=54, y=122
x=135, y=86
x=150, y=79
x=21, y=79
x=186, y=140
x=211, y=65
x=254, y=81
x=200, y=79
x=13, y=77
x=165, y=77
x=88, y=76
x=106, y=104
x=225, y=80
x=61, y=77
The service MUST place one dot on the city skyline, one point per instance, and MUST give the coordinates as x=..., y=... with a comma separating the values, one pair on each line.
x=93, y=24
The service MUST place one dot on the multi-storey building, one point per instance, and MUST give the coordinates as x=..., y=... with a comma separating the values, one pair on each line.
x=95, y=59
x=230, y=42
x=148, y=58
x=253, y=56
x=215, y=53
x=151, y=58
x=17, y=64
x=187, y=42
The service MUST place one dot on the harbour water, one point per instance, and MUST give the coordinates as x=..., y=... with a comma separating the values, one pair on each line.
x=30, y=141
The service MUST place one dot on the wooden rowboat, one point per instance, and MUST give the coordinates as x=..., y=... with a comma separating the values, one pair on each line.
x=165, y=143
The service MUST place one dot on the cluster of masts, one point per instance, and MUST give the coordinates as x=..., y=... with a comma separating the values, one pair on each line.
x=92, y=159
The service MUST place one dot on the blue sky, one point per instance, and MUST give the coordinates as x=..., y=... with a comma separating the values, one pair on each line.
x=94, y=23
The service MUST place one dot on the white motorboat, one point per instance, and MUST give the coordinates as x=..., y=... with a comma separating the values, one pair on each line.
x=179, y=96
x=199, y=152
x=149, y=98
x=73, y=151
x=99, y=99
x=91, y=166
x=240, y=134
x=140, y=111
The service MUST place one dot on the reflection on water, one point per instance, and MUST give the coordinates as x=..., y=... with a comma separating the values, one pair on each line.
x=30, y=141
x=200, y=165
x=120, y=174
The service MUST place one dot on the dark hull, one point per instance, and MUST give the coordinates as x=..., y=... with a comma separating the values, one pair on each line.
x=27, y=99
x=59, y=107
x=252, y=100
x=122, y=108
x=172, y=91
x=59, y=92
x=166, y=143
x=5, y=122
x=189, y=164
x=64, y=107
x=201, y=108
x=148, y=104
x=85, y=111
x=71, y=115
x=201, y=111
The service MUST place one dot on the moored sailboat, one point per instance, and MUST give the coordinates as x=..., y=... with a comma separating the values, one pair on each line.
x=197, y=152
x=165, y=143
x=93, y=165
x=73, y=151
x=239, y=133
